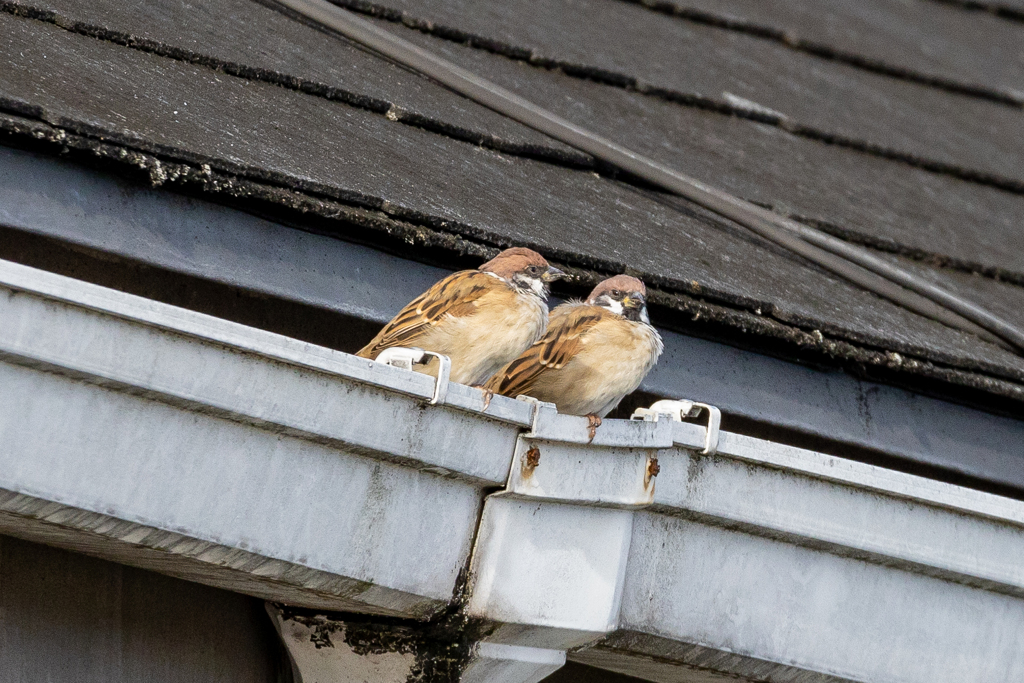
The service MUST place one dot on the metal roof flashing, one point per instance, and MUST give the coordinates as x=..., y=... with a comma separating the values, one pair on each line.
x=168, y=439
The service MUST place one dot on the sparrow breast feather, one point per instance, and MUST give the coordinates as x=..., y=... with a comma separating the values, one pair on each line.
x=593, y=354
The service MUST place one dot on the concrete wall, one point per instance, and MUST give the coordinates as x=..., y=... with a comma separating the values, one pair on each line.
x=69, y=618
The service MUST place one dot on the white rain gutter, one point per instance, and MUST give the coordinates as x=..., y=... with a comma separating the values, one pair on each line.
x=170, y=440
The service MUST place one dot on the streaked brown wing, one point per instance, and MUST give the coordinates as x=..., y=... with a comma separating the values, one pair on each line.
x=454, y=295
x=556, y=348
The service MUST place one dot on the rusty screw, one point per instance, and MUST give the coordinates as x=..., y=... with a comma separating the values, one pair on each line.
x=652, y=470
x=531, y=461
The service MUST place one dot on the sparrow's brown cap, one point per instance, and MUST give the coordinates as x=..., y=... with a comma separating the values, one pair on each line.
x=517, y=260
x=620, y=283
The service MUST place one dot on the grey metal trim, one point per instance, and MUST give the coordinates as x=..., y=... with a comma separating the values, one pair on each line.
x=248, y=460
x=81, y=207
x=853, y=509
x=167, y=439
x=560, y=460
x=186, y=557
x=761, y=561
x=181, y=322
x=721, y=598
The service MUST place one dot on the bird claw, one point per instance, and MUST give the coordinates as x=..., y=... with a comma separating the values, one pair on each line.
x=593, y=423
x=488, y=395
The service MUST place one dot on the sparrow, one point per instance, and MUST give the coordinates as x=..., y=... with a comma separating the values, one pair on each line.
x=481, y=319
x=593, y=353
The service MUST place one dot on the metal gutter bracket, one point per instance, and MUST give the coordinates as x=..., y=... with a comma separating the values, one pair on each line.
x=406, y=357
x=678, y=411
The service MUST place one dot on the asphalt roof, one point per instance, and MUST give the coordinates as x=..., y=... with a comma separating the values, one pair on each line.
x=892, y=124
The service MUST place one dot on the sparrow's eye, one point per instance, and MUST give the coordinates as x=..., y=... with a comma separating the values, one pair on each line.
x=617, y=293
x=533, y=270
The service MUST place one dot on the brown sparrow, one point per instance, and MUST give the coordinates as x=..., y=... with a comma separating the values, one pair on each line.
x=481, y=319
x=592, y=355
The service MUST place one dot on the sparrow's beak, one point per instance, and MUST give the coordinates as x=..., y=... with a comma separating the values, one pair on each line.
x=633, y=301
x=552, y=274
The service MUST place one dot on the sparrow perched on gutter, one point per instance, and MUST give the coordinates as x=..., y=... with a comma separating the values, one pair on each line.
x=592, y=355
x=481, y=319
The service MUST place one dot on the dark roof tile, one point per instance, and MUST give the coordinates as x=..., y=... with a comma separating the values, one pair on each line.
x=823, y=98
x=182, y=111
x=906, y=208
x=246, y=38
x=915, y=40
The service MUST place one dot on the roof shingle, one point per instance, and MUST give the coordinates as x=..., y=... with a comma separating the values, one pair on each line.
x=265, y=99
